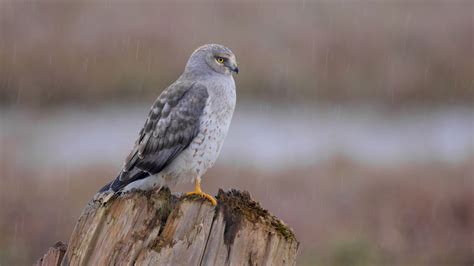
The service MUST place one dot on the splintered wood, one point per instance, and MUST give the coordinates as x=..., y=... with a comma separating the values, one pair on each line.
x=54, y=256
x=157, y=228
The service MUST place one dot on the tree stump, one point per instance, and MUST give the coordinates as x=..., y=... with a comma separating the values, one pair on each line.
x=54, y=256
x=158, y=228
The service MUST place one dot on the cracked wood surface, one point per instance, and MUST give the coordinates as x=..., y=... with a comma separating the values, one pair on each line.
x=157, y=228
x=54, y=256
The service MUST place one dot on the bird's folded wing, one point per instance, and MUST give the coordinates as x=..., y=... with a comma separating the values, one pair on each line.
x=172, y=124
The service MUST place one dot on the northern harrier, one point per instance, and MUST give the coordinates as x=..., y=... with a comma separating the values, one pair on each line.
x=186, y=126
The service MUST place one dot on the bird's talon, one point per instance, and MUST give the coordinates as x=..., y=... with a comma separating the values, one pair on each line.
x=204, y=195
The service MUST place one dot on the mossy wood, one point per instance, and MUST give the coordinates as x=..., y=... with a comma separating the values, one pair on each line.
x=157, y=228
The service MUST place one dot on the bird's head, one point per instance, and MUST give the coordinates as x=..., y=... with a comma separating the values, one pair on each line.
x=213, y=58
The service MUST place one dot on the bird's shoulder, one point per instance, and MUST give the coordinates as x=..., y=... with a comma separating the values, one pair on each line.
x=179, y=96
x=175, y=92
x=171, y=125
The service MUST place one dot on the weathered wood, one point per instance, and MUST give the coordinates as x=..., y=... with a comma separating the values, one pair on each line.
x=157, y=228
x=54, y=256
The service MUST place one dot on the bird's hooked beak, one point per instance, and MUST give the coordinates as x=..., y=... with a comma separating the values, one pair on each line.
x=236, y=70
x=233, y=65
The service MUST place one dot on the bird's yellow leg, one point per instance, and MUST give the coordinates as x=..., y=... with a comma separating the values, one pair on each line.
x=198, y=191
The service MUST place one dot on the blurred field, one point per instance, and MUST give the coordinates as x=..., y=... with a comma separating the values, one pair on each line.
x=394, y=52
x=342, y=212
x=354, y=120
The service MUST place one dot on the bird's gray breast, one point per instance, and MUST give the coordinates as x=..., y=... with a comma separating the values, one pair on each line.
x=214, y=123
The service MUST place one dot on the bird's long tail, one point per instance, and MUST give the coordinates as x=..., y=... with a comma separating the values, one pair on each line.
x=117, y=184
x=106, y=187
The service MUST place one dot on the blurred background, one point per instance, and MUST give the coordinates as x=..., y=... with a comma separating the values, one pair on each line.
x=354, y=120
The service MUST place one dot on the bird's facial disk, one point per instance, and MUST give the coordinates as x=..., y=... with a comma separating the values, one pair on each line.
x=220, y=58
x=226, y=62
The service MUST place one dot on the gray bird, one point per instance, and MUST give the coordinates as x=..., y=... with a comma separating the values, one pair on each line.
x=186, y=126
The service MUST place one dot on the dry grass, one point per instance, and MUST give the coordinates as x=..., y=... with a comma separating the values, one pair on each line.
x=342, y=212
x=394, y=52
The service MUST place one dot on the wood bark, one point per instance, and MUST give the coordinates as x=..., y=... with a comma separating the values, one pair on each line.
x=158, y=228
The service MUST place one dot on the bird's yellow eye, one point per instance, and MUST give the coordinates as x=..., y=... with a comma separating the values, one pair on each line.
x=220, y=60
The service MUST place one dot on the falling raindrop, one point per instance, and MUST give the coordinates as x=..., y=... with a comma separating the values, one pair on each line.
x=18, y=93
x=313, y=49
x=137, y=50
x=14, y=54
x=326, y=61
x=148, y=65
x=425, y=76
x=85, y=65
x=68, y=181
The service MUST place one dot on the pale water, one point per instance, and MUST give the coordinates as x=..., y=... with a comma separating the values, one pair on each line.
x=265, y=136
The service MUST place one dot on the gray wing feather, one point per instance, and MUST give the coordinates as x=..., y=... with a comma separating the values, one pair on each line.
x=172, y=124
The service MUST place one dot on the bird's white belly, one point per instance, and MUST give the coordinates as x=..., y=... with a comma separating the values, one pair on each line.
x=203, y=151
x=194, y=161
